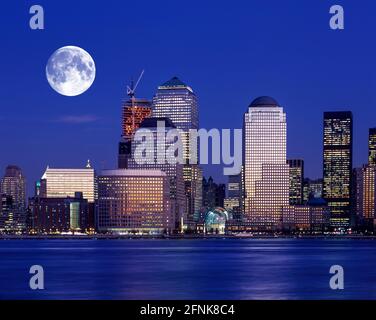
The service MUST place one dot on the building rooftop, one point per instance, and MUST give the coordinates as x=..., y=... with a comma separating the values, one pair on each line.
x=133, y=172
x=175, y=83
x=153, y=122
x=264, y=101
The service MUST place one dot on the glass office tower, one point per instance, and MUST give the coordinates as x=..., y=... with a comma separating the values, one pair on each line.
x=296, y=177
x=266, y=173
x=372, y=147
x=177, y=101
x=337, y=166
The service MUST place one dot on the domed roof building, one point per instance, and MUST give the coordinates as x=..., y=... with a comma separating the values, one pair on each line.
x=215, y=220
x=264, y=101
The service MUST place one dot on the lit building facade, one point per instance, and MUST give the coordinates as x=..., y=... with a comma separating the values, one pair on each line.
x=372, y=147
x=134, y=201
x=314, y=217
x=364, y=199
x=266, y=173
x=13, y=184
x=62, y=183
x=177, y=101
x=296, y=178
x=133, y=113
x=337, y=166
x=170, y=165
x=233, y=200
x=13, y=199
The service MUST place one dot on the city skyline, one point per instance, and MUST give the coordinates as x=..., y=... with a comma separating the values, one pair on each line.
x=224, y=77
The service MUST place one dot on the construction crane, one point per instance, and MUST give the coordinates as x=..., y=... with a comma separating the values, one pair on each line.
x=131, y=90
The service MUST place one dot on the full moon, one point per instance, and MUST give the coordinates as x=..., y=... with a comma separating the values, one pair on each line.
x=70, y=71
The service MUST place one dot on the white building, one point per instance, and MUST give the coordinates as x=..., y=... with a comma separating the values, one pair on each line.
x=62, y=183
x=266, y=174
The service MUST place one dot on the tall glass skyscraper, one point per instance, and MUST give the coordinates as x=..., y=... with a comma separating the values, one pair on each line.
x=337, y=166
x=176, y=100
x=266, y=173
x=13, y=195
x=13, y=184
x=372, y=147
x=296, y=173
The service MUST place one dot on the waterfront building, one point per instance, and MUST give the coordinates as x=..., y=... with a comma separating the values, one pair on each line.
x=337, y=166
x=296, y=178
x=58, y=215
x=213, y=221
x=314, y=217
x=63, y=183
x=364, y=197
x=176, y=100
x=159, y=127
x=13, y=184
x=13, y=193
x=134, y=202
x=266, y=173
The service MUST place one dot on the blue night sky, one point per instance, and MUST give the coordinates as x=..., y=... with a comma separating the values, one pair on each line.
x=229, y=52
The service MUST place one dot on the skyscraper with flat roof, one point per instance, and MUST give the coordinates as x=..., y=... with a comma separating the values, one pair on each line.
x=372, y=146
x=134, y=201
x=296, y=177
x=65, y=182
x=337, y=166
x=13, y=184
x=266, y=173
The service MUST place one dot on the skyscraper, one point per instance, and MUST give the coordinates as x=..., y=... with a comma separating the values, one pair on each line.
x=337, y=166
x=14, y=184
x=233, y=201
x=266, y=174
x=364, y=196
x=134, y=112
x=62, y=183
x=296, y=177
x=13, y=194
x=372, y=146
x=159, y=127
x=176, y=100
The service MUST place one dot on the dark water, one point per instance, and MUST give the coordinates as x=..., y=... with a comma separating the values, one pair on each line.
x=188, y=269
